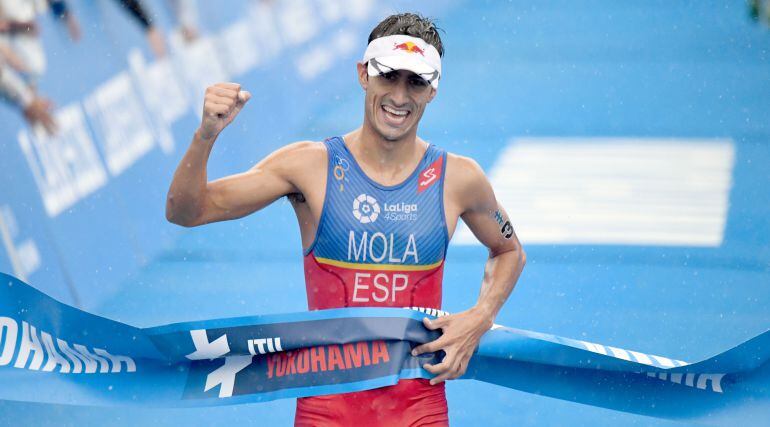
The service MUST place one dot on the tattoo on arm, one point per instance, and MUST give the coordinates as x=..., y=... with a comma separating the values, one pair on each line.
x=506, y=229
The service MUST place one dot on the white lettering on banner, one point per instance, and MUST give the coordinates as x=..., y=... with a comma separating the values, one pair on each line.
x=164, y=96
x=54, y=358
x=117, y=116
x=55, y=352
x=92, y=360
x=364, y=248
x=224, y=376
x=205, y=349
x=8, y=332
x=257, y=345
x=703, y=380
x=77, y=360
x=29, y=344
x=117, y=360
x=385, y=286
x=66, y=168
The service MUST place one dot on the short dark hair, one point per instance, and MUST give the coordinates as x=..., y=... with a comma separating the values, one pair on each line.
x=410, y=24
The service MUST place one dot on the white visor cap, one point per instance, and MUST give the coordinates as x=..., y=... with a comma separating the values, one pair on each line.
x=401, y=52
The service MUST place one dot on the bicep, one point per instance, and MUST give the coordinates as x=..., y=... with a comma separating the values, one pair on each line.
x=484, y=215
x=492, y=227
x=238, y=195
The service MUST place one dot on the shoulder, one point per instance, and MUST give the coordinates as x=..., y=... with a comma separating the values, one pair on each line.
x=294, y=156
x=299, y=149
x=463, y=172
x=466, y=185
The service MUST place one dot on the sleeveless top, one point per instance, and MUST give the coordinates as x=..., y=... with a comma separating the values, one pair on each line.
x=378, y=246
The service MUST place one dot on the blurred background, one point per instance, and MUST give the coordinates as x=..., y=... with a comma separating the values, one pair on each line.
x=629, y=142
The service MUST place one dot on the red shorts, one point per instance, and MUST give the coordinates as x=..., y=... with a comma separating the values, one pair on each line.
x=408, y=403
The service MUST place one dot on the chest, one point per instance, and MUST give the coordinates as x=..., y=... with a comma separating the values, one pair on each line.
x=362, y=222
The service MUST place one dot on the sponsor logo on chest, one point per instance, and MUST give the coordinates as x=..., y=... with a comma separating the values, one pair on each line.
x=366, y=209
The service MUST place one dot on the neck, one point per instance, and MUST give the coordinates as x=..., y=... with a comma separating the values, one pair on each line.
x=388, y=160
x=372, y=148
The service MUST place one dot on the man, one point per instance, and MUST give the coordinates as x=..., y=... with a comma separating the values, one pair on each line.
x=376, y=210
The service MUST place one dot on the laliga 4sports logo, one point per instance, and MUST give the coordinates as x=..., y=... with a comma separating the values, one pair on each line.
x=366, y=209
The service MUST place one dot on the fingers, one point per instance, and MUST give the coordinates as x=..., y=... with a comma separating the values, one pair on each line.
x=231, y=86
x=437, y=368
x=244, y=96
x=224, y=90
x=454, y=342
x=436, y=323
x=433, y=346
x=449, y=369
x=440, y=378
x=430, y=347
x=223, y=98
x=216, y=109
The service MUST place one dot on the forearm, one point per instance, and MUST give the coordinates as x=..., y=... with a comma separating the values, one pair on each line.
x=462, y=332
x=501, y=273
x=187, y=194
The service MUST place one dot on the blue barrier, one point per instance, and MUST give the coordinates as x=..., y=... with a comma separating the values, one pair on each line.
x=125, y=119
x=54, y=353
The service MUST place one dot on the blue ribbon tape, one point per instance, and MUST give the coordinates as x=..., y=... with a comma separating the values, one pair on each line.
x=54, y=353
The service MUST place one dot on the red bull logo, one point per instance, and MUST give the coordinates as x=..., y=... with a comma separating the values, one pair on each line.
x=409, y=47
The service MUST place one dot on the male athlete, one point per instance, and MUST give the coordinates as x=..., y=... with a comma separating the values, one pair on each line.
x=376, y=209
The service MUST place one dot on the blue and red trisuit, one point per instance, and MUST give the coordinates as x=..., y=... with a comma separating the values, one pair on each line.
x=378, y=246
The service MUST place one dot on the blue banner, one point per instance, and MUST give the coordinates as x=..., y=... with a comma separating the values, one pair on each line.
x=126, y=116
x=53, y=353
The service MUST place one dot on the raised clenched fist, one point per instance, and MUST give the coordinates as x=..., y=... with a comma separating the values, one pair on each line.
x=223, y=101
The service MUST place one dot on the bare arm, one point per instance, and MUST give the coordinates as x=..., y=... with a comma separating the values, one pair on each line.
x=192, y=200
x=490, y=224
x=488, y=221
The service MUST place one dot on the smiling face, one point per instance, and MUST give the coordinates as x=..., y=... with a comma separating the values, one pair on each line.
x=394, y=102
